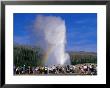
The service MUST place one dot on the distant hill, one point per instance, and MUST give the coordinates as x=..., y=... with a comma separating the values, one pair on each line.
x=82, y=53
x=82, y=57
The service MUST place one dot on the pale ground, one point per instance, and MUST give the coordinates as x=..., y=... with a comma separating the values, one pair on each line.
x=77, y=72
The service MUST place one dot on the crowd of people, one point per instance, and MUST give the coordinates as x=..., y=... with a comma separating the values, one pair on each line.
x=57, y=70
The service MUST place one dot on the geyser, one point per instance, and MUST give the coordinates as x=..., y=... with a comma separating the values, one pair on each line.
x=51, y=32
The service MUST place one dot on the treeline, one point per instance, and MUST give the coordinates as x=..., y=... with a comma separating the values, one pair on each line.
x=26, y=55
x=83, y=57
x=33, y=56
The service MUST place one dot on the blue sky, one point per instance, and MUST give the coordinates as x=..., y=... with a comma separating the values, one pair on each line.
x=81, y=29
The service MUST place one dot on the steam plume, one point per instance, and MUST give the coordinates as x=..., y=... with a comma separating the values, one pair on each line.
x=51, y=31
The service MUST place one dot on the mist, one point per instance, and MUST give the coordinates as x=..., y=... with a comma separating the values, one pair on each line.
x=50, y=35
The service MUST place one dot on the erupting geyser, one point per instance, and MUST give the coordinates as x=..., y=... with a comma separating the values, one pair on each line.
x=51, y=32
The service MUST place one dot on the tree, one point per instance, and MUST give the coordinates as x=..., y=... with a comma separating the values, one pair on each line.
x=26, y=55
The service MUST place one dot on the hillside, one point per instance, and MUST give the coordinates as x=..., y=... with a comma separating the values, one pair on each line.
x=83, y=57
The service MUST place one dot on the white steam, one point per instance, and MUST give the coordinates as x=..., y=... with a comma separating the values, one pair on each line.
x=51, y=31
